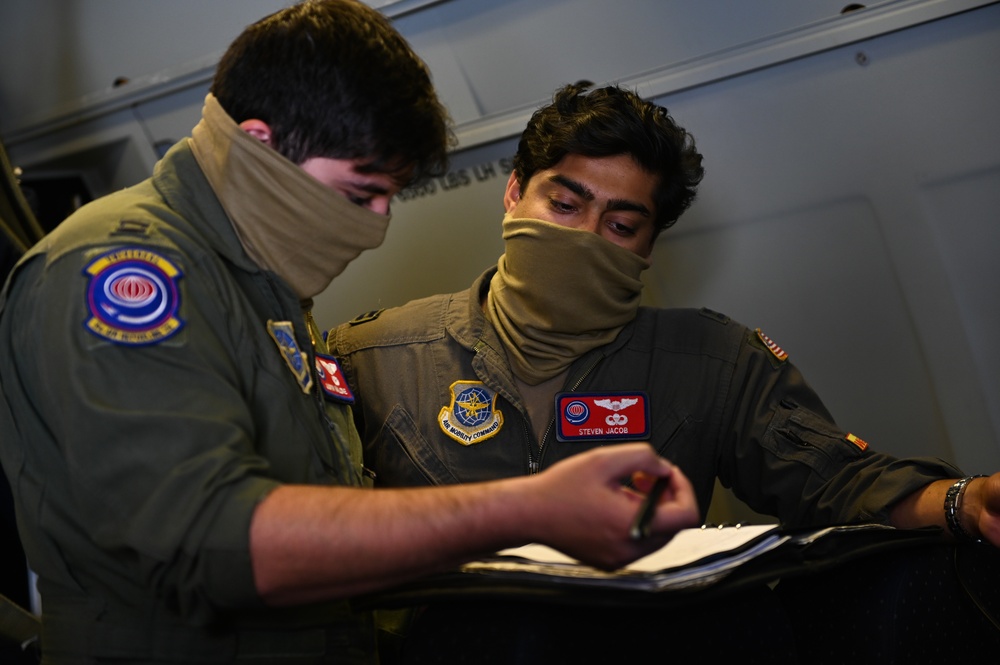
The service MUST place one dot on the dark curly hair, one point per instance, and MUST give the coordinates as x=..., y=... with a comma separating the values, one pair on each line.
x=333, y=78
x=613, y=121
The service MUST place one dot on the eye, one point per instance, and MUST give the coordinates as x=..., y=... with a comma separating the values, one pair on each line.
x=377, y=203
x=561, y=206
x=621, y=228
x=358, y=200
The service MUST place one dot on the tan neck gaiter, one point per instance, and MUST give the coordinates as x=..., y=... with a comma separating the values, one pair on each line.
x=287, y=221
x=559, y=292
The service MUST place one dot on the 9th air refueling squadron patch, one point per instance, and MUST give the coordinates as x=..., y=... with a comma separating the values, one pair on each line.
x=132, y=296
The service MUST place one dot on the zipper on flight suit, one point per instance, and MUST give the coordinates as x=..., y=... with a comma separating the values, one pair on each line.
x=534, y=465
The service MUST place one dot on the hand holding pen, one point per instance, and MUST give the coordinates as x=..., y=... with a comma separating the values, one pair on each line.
x=590, y=509
x=642, y=525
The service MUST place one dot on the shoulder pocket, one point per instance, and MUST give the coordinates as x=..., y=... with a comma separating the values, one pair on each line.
x=797, y=434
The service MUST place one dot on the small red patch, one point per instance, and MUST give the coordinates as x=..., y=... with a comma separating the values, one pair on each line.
x=331, y=377
x=858, y=441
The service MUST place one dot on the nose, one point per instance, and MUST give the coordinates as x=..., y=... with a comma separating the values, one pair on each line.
x=590, y=221
x=380, y=205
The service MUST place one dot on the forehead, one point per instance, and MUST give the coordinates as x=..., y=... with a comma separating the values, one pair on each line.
x=618, y=177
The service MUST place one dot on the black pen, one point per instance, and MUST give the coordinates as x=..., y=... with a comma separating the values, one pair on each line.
x=640, y=525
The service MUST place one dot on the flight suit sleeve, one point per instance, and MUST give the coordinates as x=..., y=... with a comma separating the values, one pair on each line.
x=148, y=464
x=784, y=455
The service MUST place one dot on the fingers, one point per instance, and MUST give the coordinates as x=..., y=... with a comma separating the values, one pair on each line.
x=680, y=483
x=643, y=482
x=678, y=507
x=594, y=510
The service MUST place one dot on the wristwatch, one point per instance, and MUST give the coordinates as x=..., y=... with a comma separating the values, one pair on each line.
x=953, y=507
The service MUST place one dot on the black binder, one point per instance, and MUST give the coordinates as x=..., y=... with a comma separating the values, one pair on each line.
x=769, y=553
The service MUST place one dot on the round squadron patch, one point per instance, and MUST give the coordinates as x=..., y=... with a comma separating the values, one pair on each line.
x=472, y=416
x=133, y=297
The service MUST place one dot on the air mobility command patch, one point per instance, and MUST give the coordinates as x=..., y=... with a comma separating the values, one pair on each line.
x=132, y=296
x=775, y=350
x=297, y=360
x=331, y=379
x=606, y=416
x=472, y=416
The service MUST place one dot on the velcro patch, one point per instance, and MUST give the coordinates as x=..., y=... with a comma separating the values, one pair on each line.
x=366, y=317
x=132, y=296
x=472, y=416
x=858, y=441
x=715, y=316
x=775, y=350
x=607, y=416
x=331, y=378
x=295, y=358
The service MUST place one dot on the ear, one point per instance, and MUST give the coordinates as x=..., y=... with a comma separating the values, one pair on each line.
x=258, y=129
x=512, y=194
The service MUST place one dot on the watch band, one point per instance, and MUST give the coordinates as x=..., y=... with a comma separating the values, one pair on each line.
x=953, y=506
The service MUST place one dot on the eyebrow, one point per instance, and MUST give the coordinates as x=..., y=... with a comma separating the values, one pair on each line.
x=582, y=190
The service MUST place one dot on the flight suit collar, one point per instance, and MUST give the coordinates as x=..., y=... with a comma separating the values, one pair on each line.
x=184, y=187
x=467, y=324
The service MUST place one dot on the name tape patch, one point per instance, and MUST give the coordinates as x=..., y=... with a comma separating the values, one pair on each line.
x=609, y=416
